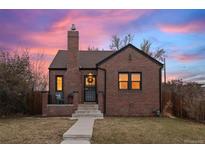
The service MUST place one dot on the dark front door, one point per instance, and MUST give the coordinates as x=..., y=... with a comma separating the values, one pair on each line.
x=90, y=88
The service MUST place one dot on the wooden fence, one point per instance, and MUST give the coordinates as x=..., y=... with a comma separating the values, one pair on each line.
x=34, y=102
x=177, y=106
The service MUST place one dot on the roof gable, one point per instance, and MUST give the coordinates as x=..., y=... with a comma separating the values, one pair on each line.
x=91, y=59
x=123, y=49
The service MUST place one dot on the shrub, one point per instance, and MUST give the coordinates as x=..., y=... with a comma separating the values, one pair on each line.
x=15, y=81
x=187, y=99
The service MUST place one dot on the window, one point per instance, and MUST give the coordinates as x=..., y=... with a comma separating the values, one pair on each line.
x=59, y=83
x=135, y=80
x=123, y=80
x=131, y=81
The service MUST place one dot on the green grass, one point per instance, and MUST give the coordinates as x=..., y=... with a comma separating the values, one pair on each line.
x=33, y=129
x=147, y=130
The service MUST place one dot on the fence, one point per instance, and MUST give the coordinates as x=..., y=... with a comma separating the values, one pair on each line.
x=34, y=101
x=178, y=106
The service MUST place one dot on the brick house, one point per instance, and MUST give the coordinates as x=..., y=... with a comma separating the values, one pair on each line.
x=122, y=83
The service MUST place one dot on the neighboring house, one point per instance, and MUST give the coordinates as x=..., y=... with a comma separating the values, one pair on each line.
x=123, y=83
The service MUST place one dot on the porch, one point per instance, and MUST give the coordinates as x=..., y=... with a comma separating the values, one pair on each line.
x=73, y=107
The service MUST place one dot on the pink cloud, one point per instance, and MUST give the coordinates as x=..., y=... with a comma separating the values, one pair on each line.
x=45, y=51
x=185, y=58
x=197, y=26
x=95, y=29
x=171, y=77
x=186, y=76
x=178, y=75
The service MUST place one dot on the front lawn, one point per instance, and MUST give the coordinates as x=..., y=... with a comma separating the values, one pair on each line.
x=33, y=129
x=147, y=130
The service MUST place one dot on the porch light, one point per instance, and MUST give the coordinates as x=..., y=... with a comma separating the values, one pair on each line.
x=90, y=77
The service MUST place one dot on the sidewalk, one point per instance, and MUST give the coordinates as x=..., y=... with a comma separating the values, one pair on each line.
x=80, y=132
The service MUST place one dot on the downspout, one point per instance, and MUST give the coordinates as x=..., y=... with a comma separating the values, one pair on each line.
x=160, y=90
x=104, y=70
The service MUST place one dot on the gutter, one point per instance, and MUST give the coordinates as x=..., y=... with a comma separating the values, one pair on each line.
x=104, y=70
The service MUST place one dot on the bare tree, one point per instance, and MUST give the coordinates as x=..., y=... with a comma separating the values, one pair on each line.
x=92, y=48
x=40, y=76
x=117, y=43
x=146, y=47
x=158, y=54
x=20, y=74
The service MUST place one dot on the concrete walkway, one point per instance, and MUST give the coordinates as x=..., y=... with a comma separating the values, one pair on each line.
x=80, y=132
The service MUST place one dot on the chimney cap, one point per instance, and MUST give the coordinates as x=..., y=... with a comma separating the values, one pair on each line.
x=73, y=28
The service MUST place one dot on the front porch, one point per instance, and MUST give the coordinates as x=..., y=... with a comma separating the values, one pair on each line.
x=74, y=108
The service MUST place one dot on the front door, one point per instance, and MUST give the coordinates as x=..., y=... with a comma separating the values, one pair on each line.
x=90, y=88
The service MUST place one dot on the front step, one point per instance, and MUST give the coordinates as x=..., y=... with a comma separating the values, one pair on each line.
x=88, y=106
x=77, y=115
x=87, y=110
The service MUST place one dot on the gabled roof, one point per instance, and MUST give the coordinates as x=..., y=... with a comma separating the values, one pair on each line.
x=91, y=59
x=87, y=59
x=136, y=49
x=60, y=60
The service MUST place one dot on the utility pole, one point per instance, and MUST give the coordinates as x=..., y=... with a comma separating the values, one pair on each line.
x=164, y=70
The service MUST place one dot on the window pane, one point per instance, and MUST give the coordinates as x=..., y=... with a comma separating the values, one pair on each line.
x=123, y=77
x=59, y=83
x=135, y=76
x=135, y=85
x=123, y=85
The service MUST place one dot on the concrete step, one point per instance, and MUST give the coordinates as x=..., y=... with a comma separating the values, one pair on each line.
x=87, y=115
x=96, y=105
x=87, y=111
x=87, y=107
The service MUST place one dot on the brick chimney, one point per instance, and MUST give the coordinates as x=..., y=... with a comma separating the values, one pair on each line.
x=73, y=39
x=72, y=76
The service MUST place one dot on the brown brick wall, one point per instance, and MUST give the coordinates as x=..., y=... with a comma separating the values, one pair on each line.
x=100, y=89
x=118, y=102
x=52, y=82
x=72, y=79
x=129, y=102
x=73, y=40
x=72, y=75
x=60, y=110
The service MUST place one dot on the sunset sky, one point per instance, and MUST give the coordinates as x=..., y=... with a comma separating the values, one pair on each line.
x=180, y=32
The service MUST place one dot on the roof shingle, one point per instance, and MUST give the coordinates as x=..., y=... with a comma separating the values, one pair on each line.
x=87, y=59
